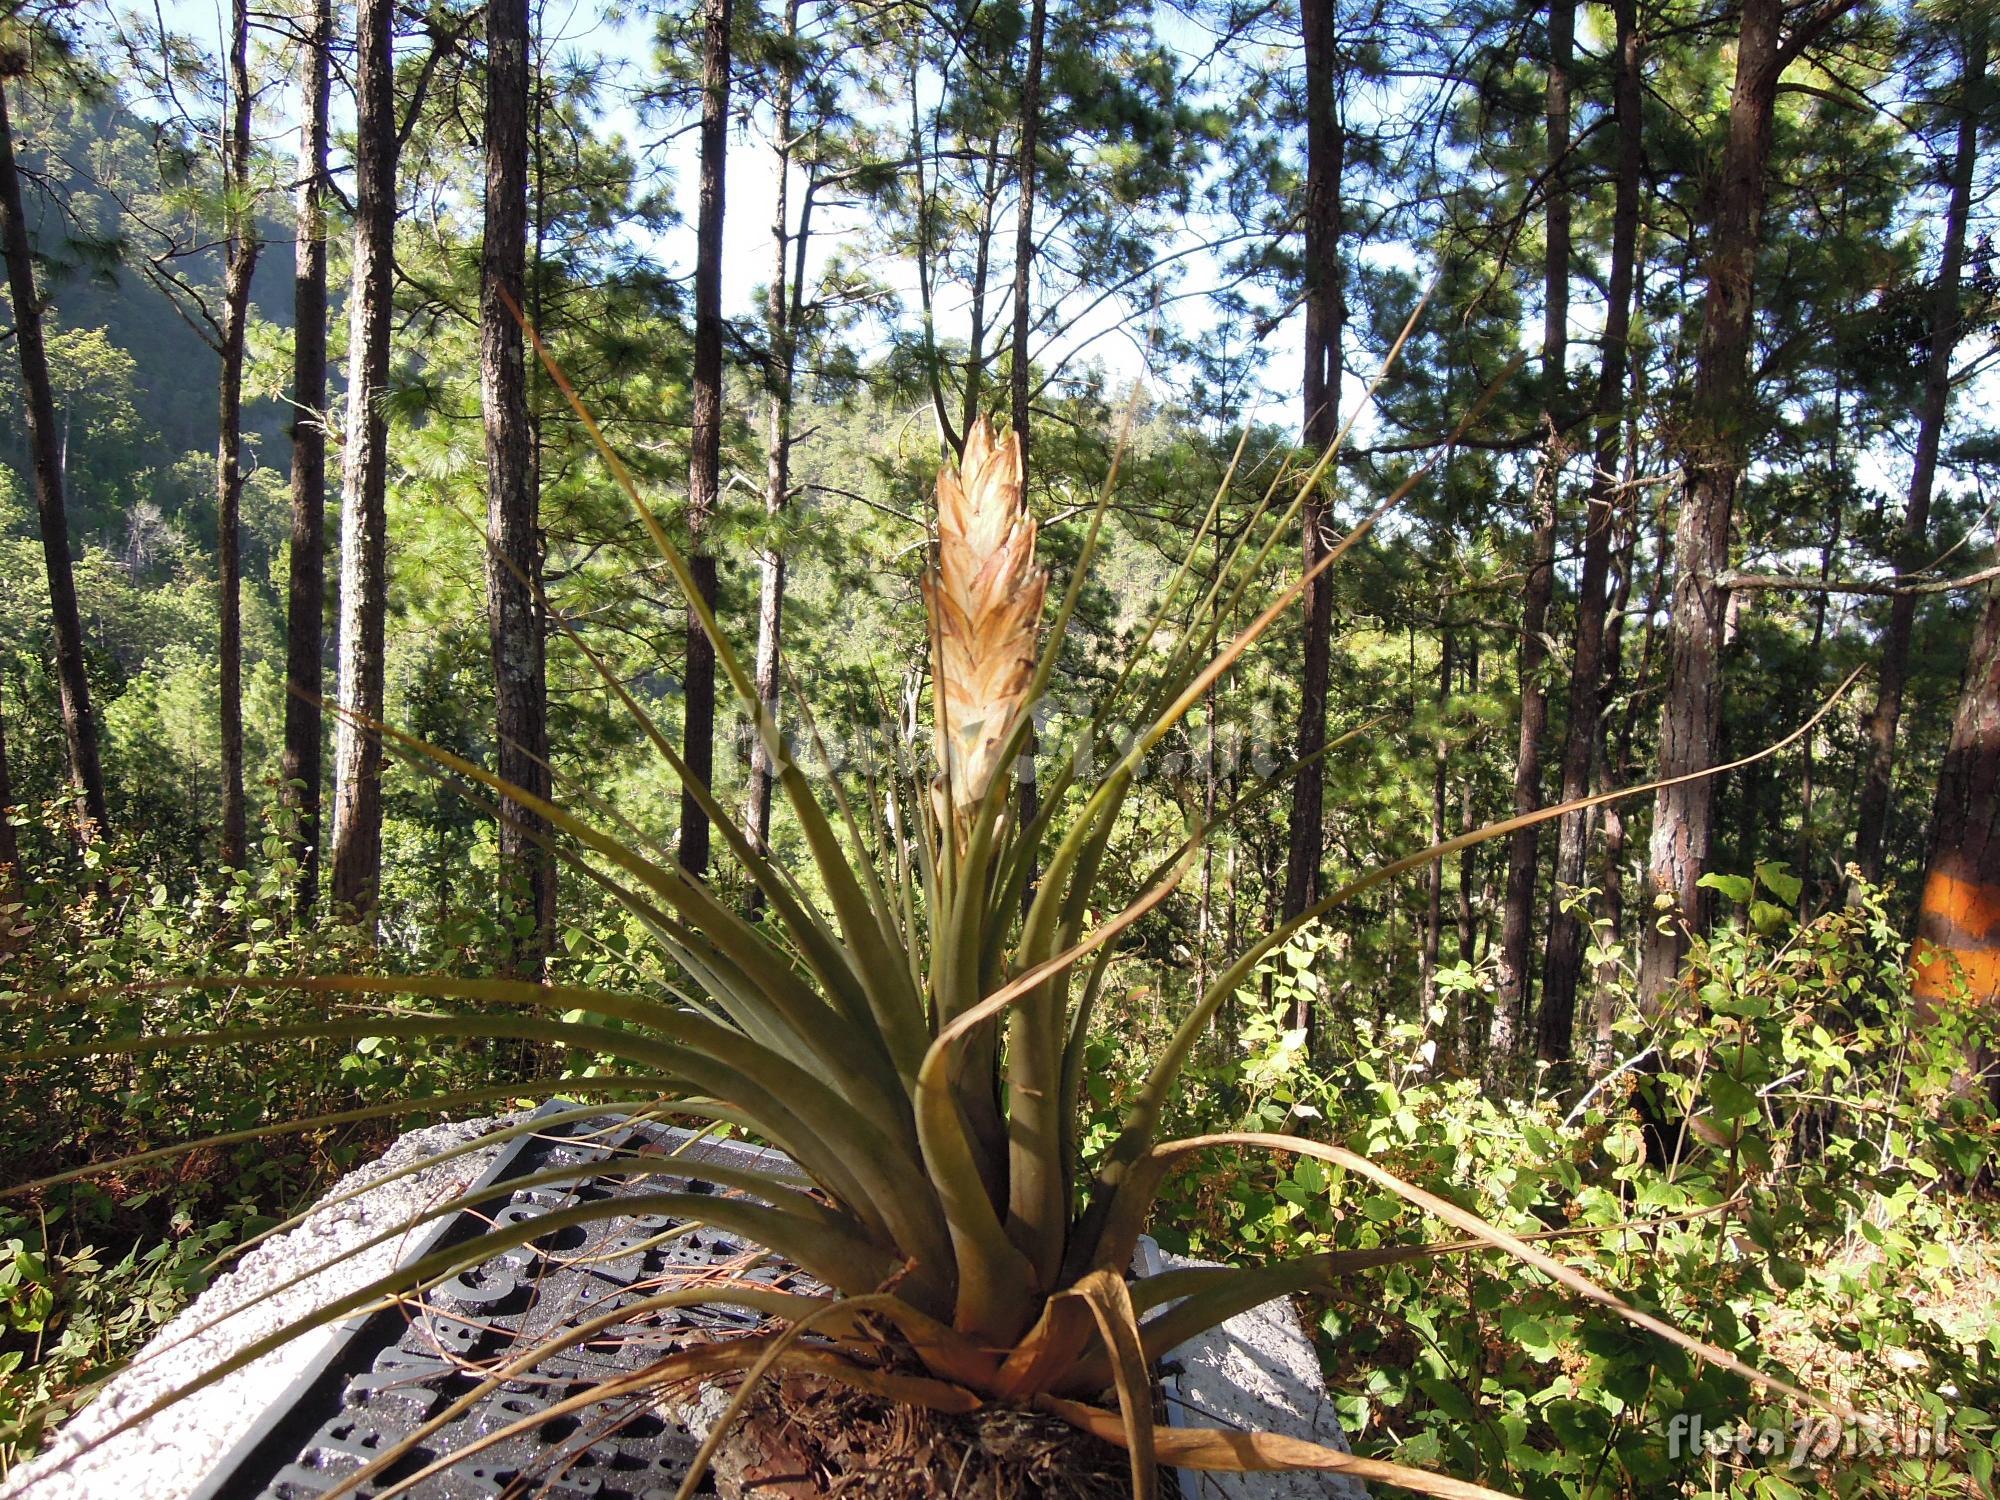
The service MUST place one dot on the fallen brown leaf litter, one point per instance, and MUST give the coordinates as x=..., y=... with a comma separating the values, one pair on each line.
x=802, y=1435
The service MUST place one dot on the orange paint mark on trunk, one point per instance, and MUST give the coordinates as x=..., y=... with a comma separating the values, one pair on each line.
x=1982, y=974
x=1959, y=919
x=1970, y=906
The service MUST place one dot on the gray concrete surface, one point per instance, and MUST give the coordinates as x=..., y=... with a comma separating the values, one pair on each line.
x=169, y=1455
x=1258, y=1371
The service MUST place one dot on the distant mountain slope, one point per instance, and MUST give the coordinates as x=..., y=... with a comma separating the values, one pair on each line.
x=84, y=158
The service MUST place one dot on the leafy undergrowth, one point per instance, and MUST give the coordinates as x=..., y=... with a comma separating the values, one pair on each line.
x=89, y=1270
x=1813, y=1216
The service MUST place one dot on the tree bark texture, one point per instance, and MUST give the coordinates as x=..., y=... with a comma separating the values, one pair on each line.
x=1563, y=960
x=1325, y=309
x=705, y=457
x=513, y=509
x=240, y=263
x=364, y=578
x=10, y=847
x=1958, y=916
x=45, y=458
x=1872, y=811
x=305, y=584
x=780, y=301
x=1024, y=229
x=1714, y=449
x=1517, y=922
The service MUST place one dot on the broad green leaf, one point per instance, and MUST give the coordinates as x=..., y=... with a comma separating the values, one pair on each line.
x=1737, y=888
x=1777, y=878
x=1732, y=1101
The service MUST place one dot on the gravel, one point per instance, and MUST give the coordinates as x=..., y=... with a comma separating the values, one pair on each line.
x=167, y=1457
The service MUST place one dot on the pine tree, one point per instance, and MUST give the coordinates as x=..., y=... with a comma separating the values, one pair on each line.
x=782, y=311
x=1325, y=326
x=239, y=210
x=1714, y=447
x=1946, y=330
x=513, y=519
x=79, y=723
x=705, y=450
x=1589, y=657
x=1510, y=1006
x=1958, y=918
x=364, y=561
x=305, y=588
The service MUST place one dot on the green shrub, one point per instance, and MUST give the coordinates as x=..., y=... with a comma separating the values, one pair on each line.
x=90, y=1269
x=1815, y=1219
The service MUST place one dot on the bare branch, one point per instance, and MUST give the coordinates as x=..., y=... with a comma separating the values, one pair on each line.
x=1874, y=588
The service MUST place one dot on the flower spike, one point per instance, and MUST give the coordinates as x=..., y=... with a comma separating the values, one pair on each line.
x=984, y=591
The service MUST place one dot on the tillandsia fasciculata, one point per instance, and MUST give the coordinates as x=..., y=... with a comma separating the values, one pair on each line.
x=912, y=1033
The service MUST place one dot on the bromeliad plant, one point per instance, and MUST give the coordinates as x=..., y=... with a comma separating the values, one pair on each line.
x=913, y=1036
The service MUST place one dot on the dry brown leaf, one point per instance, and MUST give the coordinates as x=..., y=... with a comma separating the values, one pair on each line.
x=1227, y=1451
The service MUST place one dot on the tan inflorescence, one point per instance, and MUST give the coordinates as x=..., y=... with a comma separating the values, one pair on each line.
x=985, y=593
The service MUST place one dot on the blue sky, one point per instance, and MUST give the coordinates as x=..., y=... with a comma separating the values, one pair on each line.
x=582, y=27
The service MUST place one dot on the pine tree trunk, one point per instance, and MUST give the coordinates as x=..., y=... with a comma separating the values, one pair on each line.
x=1024, y=256
x=982, y=260
x=305, y=588
x=1457, y=1043
x=239, y=266
x=1563, y=960
x=1958, y=917
x=1802, y=861
x=1714, y=446
x=1871, y=817
x=513, y=519
x=1024, y=230
x=45, y=458
x=1511, y=1003
x=1468, y=857
x=1325, y=308
x=705, y=456
x=1619, y=753
x=1614, y=751
x=45, y=449
x=780, y=299
x=1434, y=872
x=10, y=847
x=364, y=579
